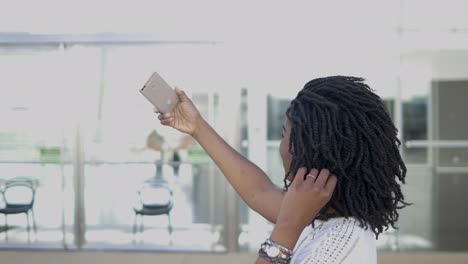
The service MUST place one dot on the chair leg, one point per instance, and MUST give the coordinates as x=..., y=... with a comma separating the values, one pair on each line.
x=170, y=224
x=4, y=224
x=34, y=221
x=28, y=226
x=141, y=224
x=6, y=228
x=135, y=224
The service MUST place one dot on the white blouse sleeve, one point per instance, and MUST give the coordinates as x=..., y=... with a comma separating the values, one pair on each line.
x=334, y=245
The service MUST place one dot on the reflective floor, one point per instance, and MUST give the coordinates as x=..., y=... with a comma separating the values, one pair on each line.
x=197, y=238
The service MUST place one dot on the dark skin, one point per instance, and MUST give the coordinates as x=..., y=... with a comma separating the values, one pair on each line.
x=291, y=211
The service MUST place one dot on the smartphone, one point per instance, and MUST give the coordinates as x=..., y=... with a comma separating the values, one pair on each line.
x=160, y=94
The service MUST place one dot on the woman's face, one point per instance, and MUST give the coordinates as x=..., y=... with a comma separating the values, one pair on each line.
x=286, y=156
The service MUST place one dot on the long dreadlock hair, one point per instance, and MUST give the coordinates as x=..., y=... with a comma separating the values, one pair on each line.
x=338, y=123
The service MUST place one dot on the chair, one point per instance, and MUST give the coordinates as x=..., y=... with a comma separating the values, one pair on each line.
x=155, y=197
x=18, y=197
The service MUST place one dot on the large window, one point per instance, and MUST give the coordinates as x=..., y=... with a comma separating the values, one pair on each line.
x=434, y=149
x=76, y=127
x=36, y=148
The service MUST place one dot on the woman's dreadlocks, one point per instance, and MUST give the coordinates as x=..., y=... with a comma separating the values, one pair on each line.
x=338, y=123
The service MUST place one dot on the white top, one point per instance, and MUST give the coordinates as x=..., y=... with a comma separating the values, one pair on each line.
x=338, y=240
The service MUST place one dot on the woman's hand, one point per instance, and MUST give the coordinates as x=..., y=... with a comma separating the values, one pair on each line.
x=185, y=117
x=301, y=203
x=305, y=197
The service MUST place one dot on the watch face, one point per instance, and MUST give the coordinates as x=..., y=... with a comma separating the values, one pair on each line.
x=272, y=251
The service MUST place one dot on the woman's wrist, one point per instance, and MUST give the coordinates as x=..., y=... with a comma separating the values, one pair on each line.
x=200, y=126
x=286, y=235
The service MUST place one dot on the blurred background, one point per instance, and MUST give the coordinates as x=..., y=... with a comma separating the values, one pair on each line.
x=84, y=163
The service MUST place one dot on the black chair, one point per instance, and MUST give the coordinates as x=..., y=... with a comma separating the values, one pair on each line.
x=18, y=197
x=155, y=197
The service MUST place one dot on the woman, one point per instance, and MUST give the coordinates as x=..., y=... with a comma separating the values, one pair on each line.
x=335, y=124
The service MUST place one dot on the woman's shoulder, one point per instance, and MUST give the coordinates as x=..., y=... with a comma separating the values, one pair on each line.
x=338, y=240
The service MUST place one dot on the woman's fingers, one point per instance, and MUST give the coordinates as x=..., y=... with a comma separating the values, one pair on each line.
x=299, y=178
x=331, y=184
x=182, y=96
x=322, y=178
x=165, y=116
x=312, y=175
x=166, y=119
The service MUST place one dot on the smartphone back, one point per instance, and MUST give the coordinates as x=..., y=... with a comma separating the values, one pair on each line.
x=160, y=94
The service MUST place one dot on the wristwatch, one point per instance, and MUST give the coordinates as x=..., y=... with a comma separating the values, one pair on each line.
x=274, y=252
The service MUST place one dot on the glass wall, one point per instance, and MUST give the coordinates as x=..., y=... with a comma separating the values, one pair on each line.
x=435, y=146
x=126, y=148
x=37, y=137
x=78, y=129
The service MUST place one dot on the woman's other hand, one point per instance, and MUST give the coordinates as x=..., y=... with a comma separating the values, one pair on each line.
x=185, y=117
x=307, y=194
